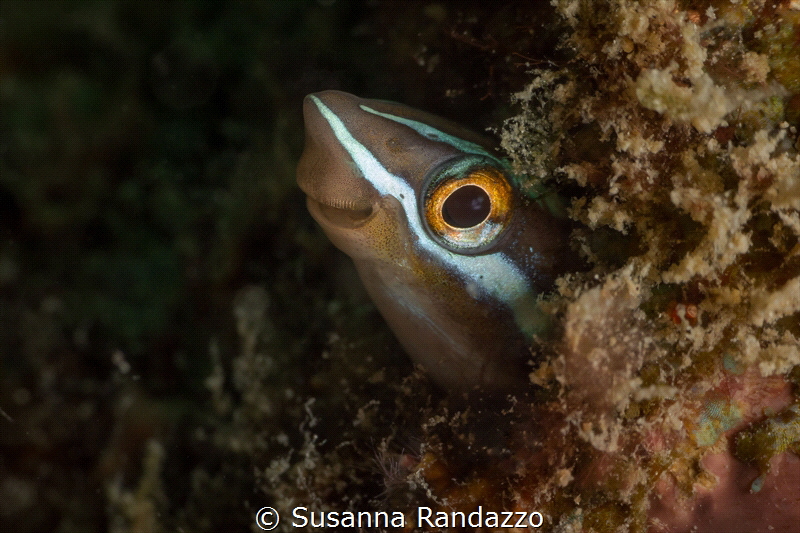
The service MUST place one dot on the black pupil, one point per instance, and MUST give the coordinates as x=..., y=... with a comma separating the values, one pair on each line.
x=468, y=206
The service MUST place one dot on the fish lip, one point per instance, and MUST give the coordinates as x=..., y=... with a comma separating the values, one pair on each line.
x=335, y=202
x=341, y=217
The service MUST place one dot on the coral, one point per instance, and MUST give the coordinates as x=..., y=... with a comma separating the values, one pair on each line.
x=703, y=174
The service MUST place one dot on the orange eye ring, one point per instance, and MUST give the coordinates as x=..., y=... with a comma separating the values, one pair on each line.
x=468, y=205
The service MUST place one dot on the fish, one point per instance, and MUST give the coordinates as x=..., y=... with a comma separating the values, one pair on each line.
x=453, y=251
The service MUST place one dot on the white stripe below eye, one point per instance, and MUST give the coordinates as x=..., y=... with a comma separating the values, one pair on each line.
x=494, y=273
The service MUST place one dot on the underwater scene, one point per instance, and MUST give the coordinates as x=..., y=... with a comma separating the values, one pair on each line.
x=387, y=265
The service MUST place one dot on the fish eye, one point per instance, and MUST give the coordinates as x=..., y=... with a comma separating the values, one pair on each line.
x=466, y=207
x=467, y=204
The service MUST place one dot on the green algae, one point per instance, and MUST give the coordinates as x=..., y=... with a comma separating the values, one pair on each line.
x=775, y=434
x=717, y=417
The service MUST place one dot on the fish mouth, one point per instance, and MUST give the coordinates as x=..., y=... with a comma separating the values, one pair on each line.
x=338, y=194
x=340, y=216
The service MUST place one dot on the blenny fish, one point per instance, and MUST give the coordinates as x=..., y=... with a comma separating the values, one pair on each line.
x=452, y=252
